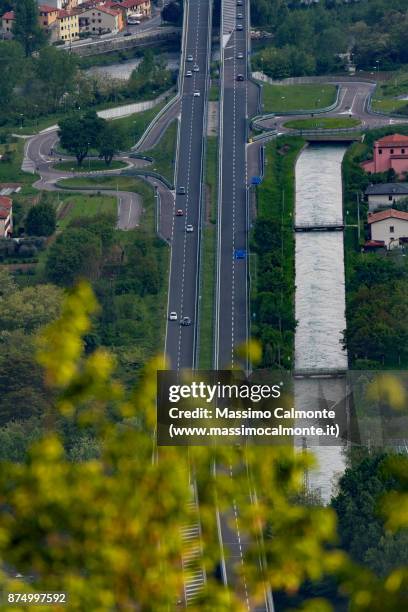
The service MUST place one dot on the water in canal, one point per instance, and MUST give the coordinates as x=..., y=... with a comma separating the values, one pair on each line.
x=320, y=292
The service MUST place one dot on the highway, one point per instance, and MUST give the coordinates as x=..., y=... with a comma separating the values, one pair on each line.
x=231, y=325
x=239, y=99
x=181, y=342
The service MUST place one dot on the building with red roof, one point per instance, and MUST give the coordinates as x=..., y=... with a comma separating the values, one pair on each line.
x=48, y=15
x=100, y=19
x=7, y=22
x=142, y=8
x=6, y=217
x=390, y=152
x=389, y=226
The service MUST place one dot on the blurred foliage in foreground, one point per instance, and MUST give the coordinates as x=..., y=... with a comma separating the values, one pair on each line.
x=108, y=530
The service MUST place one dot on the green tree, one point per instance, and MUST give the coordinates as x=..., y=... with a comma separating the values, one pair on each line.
x=26, y=28
x=173, y=12
x=102, y=225
x=80, y=133
x=57, y=72
x=22, y=313
x=107, y=529
x=111, y=141
x=29, y=308
x=150, y=75
x=41, y=220
x=12, y=61
x=23, y=391
x=75, y=254
x=361, y=527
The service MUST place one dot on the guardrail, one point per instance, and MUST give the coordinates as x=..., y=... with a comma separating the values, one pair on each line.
x=155, y=120
x=255, y=125
x=324, y=131
x=219, y=194
x=372, y=111
x=118, y=43
x=200, y=204
x=144, y=172
x=268, y=134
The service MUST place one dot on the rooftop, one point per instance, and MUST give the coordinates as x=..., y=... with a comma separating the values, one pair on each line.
x=387, y=214
x=45, y=8
x=5, y=202
x=393, y=139
x=387, y=189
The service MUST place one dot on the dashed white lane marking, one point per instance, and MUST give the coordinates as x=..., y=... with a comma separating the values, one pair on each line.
x=188, y=196
x=241, y=554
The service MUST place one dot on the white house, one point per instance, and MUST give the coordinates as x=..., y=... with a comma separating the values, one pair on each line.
x=100, y=19
x=389, y=226
x=384, y=195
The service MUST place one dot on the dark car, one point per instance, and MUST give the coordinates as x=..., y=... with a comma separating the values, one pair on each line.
x=240, y=77
x=185, y=321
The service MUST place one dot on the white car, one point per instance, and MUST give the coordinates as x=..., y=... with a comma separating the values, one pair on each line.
x=189, y=229
x=189, y=73
x=173, y=316
x=196, y=68
x=196, y=94
x=190, y=58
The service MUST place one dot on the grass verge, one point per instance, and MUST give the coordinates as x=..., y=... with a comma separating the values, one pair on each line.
x=209, y=258
x=78, y=205
x=214, y=94
x=281, y=98
x=136, y=124
x=322, y=123
x=387, y=96
x=273, y=255
x=164, y=153
x=89, y=165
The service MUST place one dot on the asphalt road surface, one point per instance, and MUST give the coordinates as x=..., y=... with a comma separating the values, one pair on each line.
x=37, y=159
x=232, y=274
x=353, y=102
x=239, y=100
x=183, y=297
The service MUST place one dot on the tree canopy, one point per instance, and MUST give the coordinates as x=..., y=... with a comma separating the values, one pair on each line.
x=361, y=526
x=75, y=254
x=107, y=529
x=80, y=133
x=41, y=219
x=26, y=28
